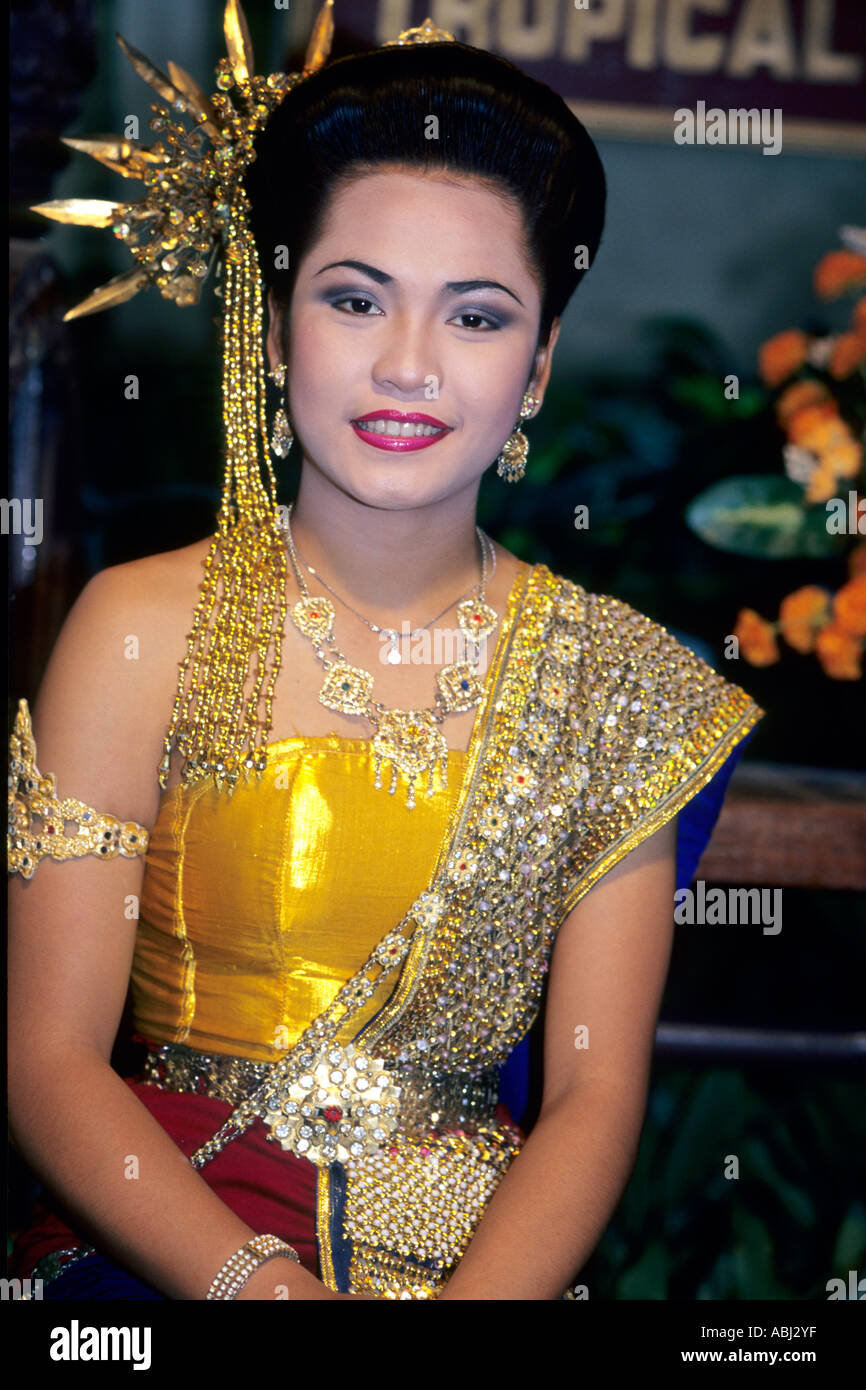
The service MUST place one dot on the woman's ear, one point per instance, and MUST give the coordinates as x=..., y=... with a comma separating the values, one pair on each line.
x=544, y=362
x=274, y=340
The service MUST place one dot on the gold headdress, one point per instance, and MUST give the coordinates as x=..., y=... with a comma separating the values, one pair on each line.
x=194, y=215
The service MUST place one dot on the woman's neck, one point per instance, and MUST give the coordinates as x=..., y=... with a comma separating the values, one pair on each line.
x=389, y=561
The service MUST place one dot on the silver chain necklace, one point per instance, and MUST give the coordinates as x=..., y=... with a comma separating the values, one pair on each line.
x=392, y=655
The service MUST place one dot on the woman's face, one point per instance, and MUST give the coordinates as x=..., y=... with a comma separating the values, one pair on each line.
x=398, y=332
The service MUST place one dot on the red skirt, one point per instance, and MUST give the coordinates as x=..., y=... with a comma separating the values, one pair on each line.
x=266, y=1186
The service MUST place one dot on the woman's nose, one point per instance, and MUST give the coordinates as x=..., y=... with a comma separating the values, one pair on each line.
x=406, y=360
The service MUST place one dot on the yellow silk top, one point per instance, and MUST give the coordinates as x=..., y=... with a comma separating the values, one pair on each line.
x=256, y=908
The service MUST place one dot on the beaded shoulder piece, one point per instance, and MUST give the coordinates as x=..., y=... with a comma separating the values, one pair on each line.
x=33, y=798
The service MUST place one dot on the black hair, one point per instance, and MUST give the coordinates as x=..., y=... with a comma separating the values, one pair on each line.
x=494, y=122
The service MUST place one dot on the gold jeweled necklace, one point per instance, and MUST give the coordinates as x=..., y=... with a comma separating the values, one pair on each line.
x=409, y=739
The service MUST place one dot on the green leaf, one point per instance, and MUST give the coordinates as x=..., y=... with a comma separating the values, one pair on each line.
x=703, y=393
x=648, y=1279
x=547, y=464
x=763, y=516
x=719, y=1283
x=710, y=1126
x=753, y=1258
x=706, y=394
x=752, y=400
x=850, y=1249
x=516, y=539
x=758, y=1160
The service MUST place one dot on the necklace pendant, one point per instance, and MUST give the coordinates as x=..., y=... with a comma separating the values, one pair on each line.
x=347, y=689
x=392, y=654
x=411, y=742
x=459, y=686
x=477, y=619
x=314, y=617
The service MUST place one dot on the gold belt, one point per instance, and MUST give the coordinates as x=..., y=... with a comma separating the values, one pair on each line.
x=427, y=1100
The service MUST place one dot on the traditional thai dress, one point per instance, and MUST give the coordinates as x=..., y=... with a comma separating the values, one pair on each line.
x=396, y=957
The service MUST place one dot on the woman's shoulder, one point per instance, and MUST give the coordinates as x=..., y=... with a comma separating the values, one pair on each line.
x=160, y=582
x=147, y=605
x=103, y=704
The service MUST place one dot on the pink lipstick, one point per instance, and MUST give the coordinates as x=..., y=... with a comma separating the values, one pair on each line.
x=392, y=429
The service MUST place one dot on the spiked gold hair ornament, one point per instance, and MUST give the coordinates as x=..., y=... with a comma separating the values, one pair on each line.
x=184, y=222
x=193, y=216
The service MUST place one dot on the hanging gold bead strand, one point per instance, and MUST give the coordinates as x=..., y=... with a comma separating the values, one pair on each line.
x=239, y=622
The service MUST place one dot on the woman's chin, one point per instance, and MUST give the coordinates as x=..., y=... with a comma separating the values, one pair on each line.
x=394, y=485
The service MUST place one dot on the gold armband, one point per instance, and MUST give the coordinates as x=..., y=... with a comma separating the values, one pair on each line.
x=33, y=796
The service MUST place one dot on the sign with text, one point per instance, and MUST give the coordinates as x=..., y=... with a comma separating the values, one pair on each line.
x=627, y=67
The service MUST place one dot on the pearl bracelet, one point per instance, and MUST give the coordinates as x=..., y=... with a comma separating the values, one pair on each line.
x=239, y=1267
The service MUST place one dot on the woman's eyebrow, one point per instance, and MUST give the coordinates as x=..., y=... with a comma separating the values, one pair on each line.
x=453, y=286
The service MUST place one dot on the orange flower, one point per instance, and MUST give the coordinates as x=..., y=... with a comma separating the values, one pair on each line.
x=780, y=356
x=843, y=460
x=849, y=606
x=822, y=484
x=857, y=560
x=837, y=272
x=756, y=637
x=839, y=653
x=816, y=423
x=858, y=316
x=801, y=614
x=798, y=396
x=849, y=350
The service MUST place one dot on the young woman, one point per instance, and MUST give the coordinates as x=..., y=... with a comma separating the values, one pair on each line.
x=371, y=850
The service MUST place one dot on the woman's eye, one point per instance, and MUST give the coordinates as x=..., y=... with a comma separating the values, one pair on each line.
x=471, y=314
x=482, y=322
x=354, y=299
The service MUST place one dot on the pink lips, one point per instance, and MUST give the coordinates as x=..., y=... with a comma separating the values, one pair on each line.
x=395, y=442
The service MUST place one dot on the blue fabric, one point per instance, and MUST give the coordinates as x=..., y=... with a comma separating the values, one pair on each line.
x=514, y=1081
x=94, y=1276
x=341, y=1249
x=697, y=819
x=695, y=825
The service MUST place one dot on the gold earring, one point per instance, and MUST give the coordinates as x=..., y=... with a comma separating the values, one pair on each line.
x=511, y=463
x=281, y=436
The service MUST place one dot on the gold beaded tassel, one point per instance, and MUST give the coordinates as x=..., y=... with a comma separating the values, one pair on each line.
x=240, y=618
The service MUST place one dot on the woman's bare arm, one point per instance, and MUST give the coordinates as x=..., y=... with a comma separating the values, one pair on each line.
x=99, y=723
x=608, y=971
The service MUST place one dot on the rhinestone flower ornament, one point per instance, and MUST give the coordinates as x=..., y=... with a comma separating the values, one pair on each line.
x=342, y=1105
